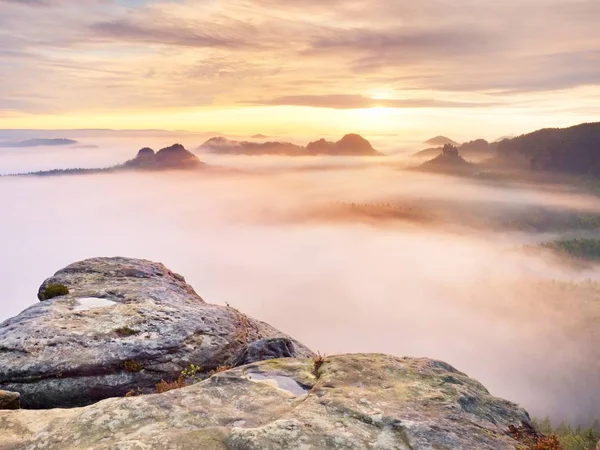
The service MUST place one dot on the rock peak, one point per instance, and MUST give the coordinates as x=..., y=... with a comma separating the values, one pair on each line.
x=121, y=324
x=172, y=157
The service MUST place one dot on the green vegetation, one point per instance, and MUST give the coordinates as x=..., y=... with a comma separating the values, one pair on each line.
x=571, y=438
x=125, y=331
x=588, y=249
x=191, y=371
x=530, y=439
x=568, y=150
x=133, y=366
x=52, y=291
x=187, y=376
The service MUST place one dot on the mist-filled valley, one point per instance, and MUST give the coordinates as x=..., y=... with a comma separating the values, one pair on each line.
x=351, y=255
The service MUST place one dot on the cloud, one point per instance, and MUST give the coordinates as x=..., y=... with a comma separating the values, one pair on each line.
x=343, y=101
x=174, y=32
x=29, y=2
x=140, y=54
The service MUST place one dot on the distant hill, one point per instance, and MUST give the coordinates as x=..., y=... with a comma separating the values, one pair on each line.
x=173, y=157
x=349, y=145
x=478, y=149
x=440, y=141
x=38, y=143
x=223, y=145
x=574, y=150
x=449, y=161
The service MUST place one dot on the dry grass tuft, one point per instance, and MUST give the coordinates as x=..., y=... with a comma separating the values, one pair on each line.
x=166, y=386
x=132, y=366
x=318, y=361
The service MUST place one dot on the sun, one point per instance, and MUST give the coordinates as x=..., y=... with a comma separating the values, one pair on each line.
x=380, y=94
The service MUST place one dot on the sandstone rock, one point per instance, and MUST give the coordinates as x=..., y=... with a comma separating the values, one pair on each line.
x=349, y=145
x=173, y=157
x=267, y=349
x=125, y=324
x=10, y=400
x=355, y=402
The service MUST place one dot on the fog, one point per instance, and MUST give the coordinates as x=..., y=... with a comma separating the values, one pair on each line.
x=452, y=288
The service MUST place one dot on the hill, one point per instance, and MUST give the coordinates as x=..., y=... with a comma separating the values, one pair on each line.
x=478, y=149
x=175, y=157
x=223, y=145
x=38, y=143
x=349, y=145
x=449, y=161
x=574, y=150
x=441, y=141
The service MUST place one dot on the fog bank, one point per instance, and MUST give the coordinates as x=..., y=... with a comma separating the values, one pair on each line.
x=522, y=324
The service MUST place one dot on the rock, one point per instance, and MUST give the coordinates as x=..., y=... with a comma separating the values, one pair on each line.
x=450, y=150
x=173, y=157
x=349, y=145
x=354, y=144
x=267, y=349
x=353, y=402
x=125, y=324
x=449, y=161
x=320, y=147
x=10, y=400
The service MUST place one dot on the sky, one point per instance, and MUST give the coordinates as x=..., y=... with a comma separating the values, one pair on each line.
x=470, y=68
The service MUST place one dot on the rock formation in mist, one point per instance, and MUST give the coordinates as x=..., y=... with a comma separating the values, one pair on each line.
x=574, y=150
x=39, y=143
x=223, y=145
x=349, y=145
x=479, y=149
x=121, y=327
x=441, y=141
x=450, y=161
x=173, y=157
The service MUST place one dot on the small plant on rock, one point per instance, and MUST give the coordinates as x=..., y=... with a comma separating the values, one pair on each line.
x=166, y=386
x=133, y=366
x=531, y=439
x=134, y=392
x=125, y=331
x=222, y=369
x=187, y=376
x=191, y=371
x=52, y=291
x=317, y=362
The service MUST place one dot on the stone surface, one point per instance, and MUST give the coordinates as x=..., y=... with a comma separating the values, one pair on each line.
x=10, y=400
x=125, y=324
x=356, y=402
x=264, y=349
